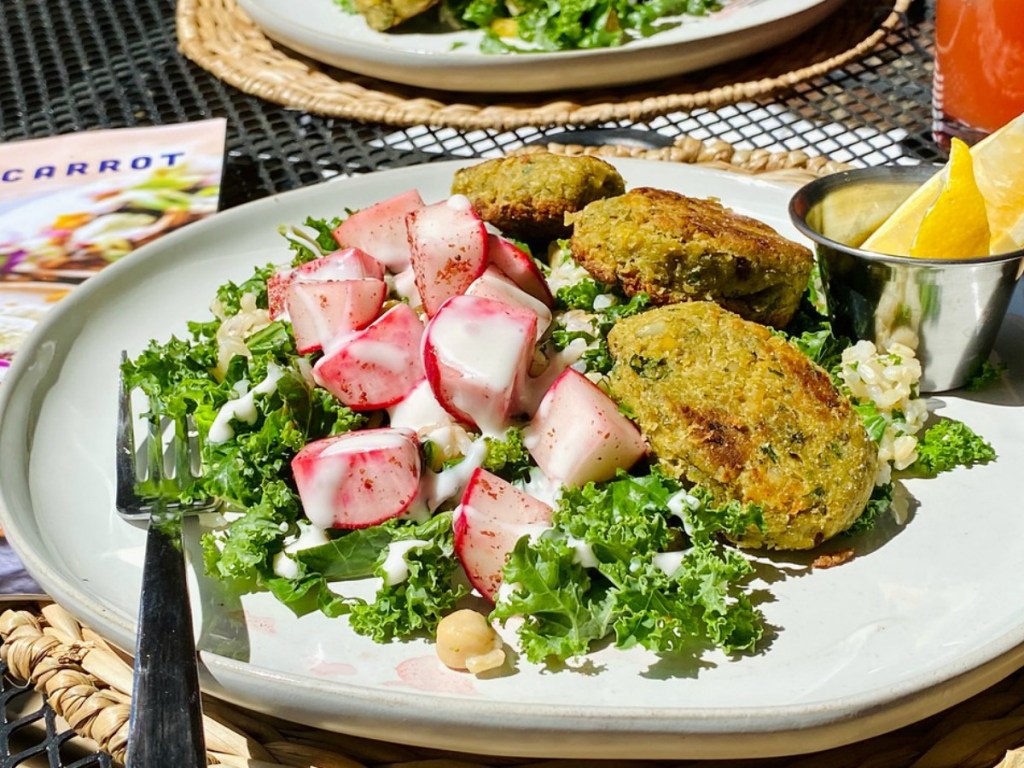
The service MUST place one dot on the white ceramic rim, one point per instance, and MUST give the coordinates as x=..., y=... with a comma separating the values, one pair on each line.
x=551, y=731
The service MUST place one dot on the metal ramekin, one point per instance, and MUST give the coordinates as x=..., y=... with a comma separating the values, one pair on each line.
x=948, y=310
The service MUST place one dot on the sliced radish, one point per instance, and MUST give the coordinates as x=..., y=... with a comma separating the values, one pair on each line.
x=494, y=284
x=348, y=264
x=376, y=366
x=520, y=268
x=477, y=354
x=578, y=434
x=448, y=242
x=321, y=310
x=277, y=293
x=492, y=516
x=380, y=229
x=358, y=479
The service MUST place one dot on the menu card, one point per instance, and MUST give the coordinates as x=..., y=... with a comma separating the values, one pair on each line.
x=70, y=205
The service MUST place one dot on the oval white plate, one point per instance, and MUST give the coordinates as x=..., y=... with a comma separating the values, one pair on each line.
x=452, y=60
x=924, y=616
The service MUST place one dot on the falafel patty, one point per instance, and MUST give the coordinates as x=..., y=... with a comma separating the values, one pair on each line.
x=382, y=15
x=678, y=248
x=727, y=404
x=528, y=196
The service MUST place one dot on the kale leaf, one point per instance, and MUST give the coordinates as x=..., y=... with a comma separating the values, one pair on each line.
x=947, y=444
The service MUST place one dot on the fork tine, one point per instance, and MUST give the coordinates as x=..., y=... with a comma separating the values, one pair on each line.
x=155, y=471
x=125, y=457
x=163, y=466
x=182, y=454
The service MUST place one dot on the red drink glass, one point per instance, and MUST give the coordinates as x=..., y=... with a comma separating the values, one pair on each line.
x=979, y=67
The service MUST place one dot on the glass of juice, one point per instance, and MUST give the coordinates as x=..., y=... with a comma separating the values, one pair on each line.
x=979, y=67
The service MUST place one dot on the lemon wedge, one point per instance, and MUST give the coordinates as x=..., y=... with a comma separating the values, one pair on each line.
x=998, y=165
x=850, y=214
x=955, y=226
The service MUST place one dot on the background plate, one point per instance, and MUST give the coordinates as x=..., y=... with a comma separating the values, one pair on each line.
x=452, y=60
x=926, y=615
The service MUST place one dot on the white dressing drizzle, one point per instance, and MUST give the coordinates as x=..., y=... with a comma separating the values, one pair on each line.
x=243, y=408
x=681, y=501
x=669, y=562
x=437, y=487
x=584, y=553
x=678, y=503
x=309, y=536
x=459, y=203
x=396, y=567
x=541, y=487
x=419, y=410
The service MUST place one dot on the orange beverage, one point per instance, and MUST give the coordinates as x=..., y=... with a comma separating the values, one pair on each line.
x=979, y=67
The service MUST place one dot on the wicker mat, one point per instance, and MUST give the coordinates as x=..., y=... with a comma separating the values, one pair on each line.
x=795, y=165
x=88, y=684
x=218, y=36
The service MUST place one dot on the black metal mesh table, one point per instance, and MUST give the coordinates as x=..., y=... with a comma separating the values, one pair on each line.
x=73, y=65
x=70, y=65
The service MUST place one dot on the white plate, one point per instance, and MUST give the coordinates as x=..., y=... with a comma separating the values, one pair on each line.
x=923, y=617
x=452, y=60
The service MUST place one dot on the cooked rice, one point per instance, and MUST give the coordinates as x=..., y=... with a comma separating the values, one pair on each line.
x=890, y=380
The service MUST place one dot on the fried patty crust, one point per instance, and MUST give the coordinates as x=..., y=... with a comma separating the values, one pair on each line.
x=678, y=248
x=528, y=196
x=382, y=15
x=729, y=405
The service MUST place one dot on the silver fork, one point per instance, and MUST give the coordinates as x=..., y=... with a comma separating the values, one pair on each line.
x=166, y=722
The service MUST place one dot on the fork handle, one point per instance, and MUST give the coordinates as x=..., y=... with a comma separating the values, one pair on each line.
x=166, y=727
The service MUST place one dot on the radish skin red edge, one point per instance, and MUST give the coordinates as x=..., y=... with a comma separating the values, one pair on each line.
x=487, y=305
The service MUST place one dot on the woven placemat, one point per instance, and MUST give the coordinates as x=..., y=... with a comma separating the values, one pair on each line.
x=88, y=683
x=794, y=165
x=218, y=36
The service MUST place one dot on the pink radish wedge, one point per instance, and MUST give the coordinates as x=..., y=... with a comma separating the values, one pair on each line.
x=377, y=366
x=578, y=434
x=358, y=479
x=380, y=230
x=448, y=242
x=349, y=264
x=477, y=354
x=321, y=310
x=520, y=268
x=491, y=518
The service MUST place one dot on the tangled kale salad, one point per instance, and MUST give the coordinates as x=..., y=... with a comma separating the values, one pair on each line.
x=635, y=558
x=536, y=25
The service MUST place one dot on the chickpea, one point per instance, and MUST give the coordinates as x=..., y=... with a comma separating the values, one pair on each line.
x=466, y=641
